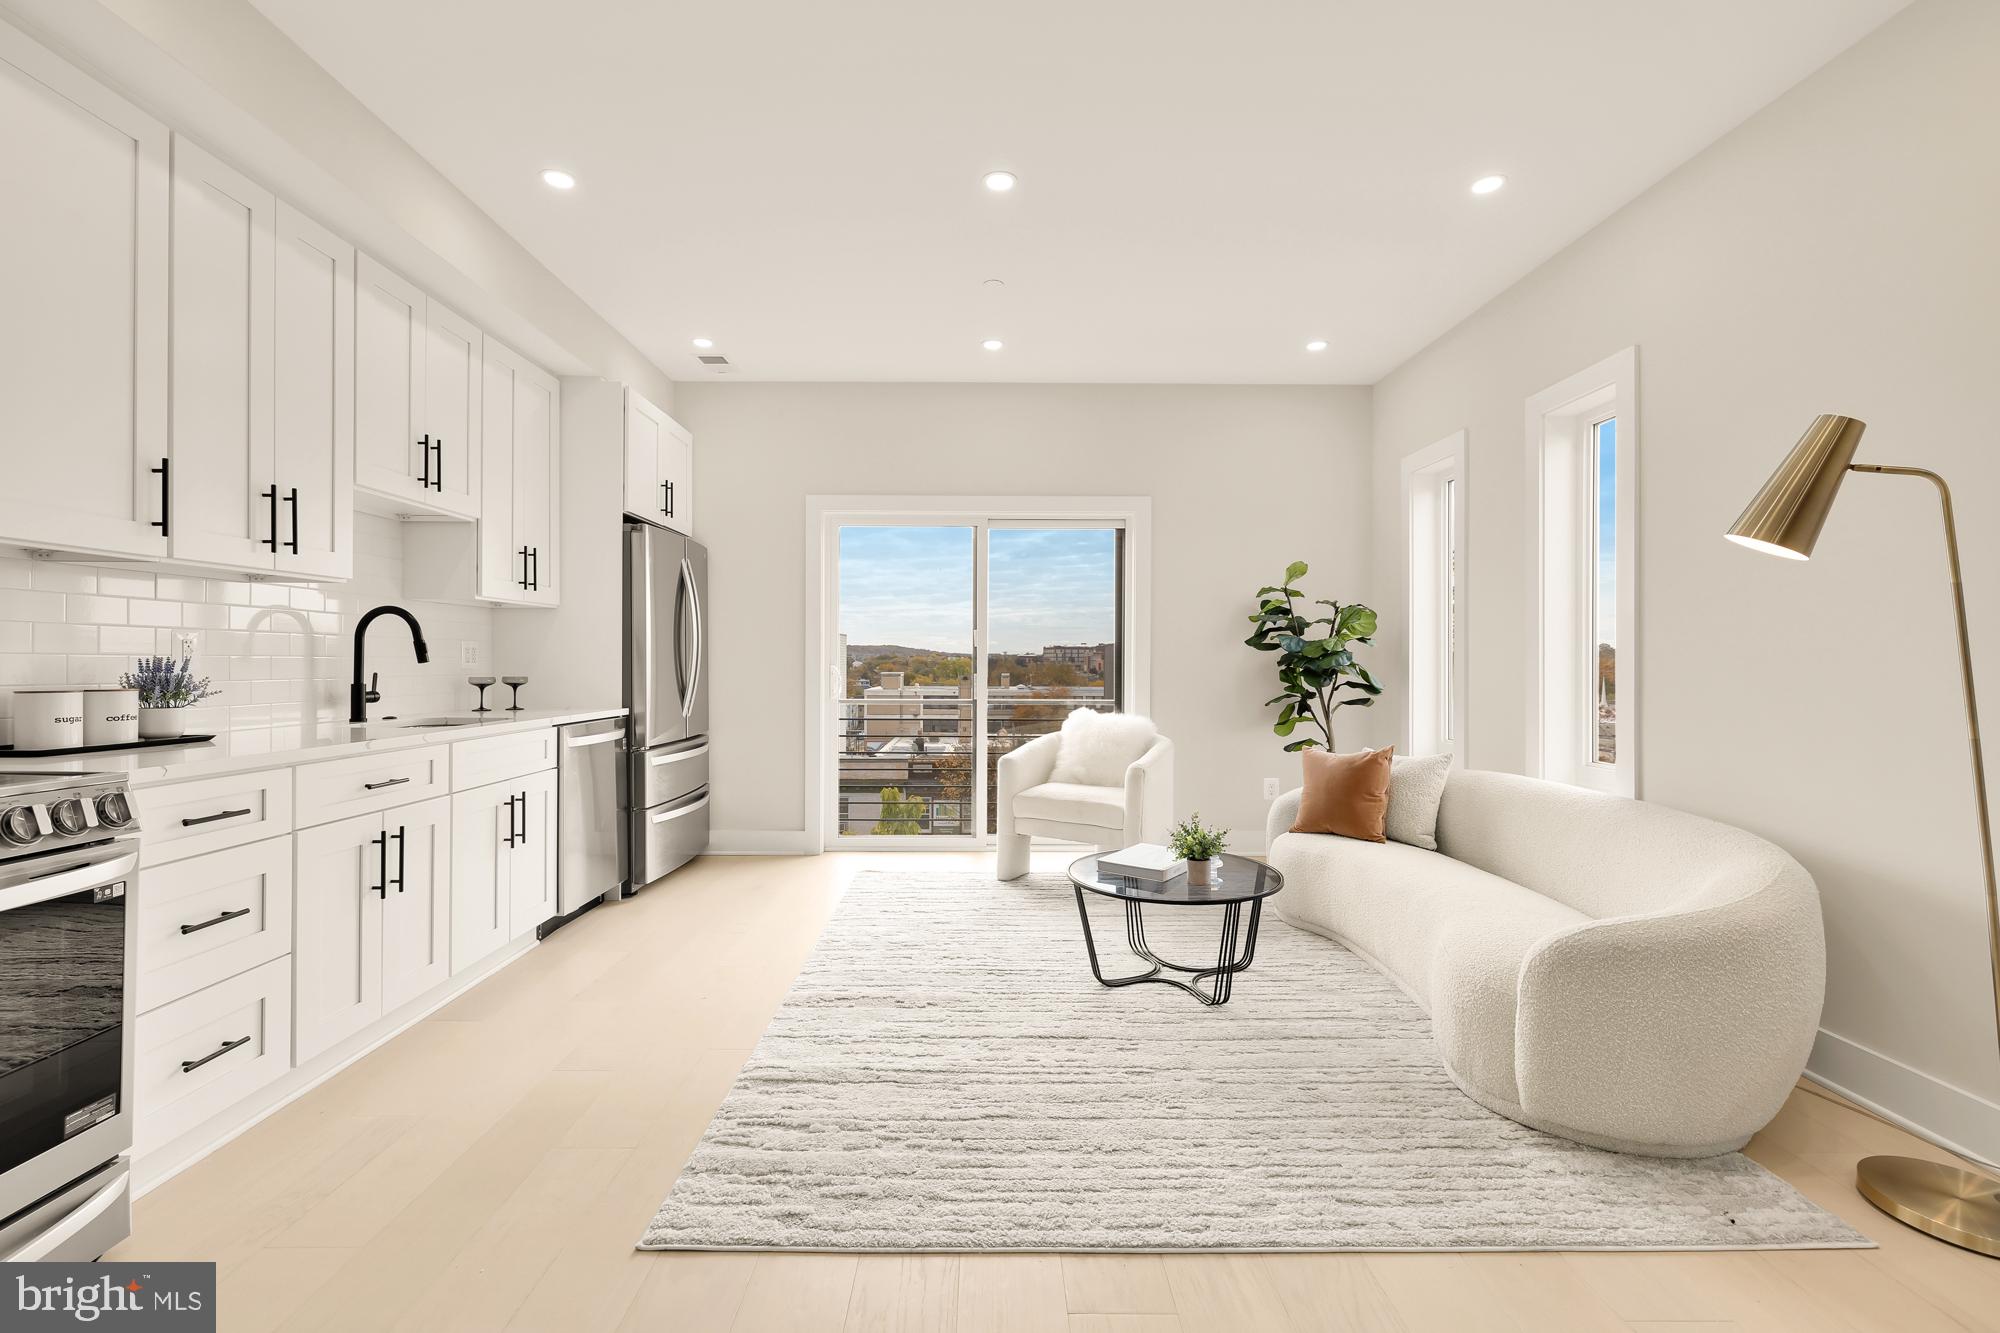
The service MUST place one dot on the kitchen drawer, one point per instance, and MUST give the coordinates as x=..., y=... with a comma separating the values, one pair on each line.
x=207, y=1051
x=475, y=763
x=667, y=836
x=665, y=774
x=206, y=918
x=343, y=788
x=179, y=819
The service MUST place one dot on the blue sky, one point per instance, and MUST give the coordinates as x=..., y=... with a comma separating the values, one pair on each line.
x=1607, y=532
x=913, y=586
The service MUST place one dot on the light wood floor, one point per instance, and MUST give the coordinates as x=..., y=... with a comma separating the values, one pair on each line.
x=492, y=1167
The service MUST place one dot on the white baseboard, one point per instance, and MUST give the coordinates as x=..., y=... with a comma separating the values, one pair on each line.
x=761, y=842
x=1952, y=1118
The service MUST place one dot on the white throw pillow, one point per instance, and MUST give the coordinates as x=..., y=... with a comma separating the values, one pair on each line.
x=1416, y=790
x=1096, y=748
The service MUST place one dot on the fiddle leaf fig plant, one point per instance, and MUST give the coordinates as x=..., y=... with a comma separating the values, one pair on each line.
x=1314, y=667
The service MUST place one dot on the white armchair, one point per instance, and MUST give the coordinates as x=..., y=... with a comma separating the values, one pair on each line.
x=1106, y=818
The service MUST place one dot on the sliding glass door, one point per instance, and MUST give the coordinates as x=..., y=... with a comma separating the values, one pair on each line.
x=956, y=639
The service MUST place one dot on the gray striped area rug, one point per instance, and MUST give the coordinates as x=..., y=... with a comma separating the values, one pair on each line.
x=946, y=1075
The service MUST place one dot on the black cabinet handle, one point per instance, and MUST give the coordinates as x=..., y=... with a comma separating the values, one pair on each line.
x=439, y=446
x=510, y=821
x=524, y=567
x=382, y=866
x=385, y=782
x=535, y=568
x=523, y=799
x=670, y=499
x=272, y=496
x=424, y=443
x=189, y=1066
x=166, y=497
x=291, y=499
x=664, y=493
x=401, y=842
x=210, y=819
x=215, y=921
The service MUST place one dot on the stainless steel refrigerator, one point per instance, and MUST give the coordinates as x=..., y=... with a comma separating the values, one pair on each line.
x=663, y=787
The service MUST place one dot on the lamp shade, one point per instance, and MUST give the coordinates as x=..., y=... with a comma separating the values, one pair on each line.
x=1785, y=517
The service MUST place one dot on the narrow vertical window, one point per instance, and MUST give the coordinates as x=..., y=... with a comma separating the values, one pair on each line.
x=1434, y=521
x=1602, y=704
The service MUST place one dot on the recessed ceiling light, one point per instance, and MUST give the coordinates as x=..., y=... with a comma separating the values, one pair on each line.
x=1316, y=345
x=994, y=282
x=1488, y=184
x=558, y=180
x=999, y=181
x=993, y=344
x=704, y=342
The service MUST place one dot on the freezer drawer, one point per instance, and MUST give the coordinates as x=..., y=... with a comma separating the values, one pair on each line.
x=667, y=836
x=666, y=773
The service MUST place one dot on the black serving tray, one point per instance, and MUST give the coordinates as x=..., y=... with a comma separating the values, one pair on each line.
x=149, y=744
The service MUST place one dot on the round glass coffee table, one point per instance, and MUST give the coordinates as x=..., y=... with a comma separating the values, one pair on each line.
x=1240, y=881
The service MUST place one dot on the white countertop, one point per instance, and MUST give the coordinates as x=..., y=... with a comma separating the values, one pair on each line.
x=276, y=747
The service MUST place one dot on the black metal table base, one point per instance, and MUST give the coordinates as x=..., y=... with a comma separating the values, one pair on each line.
x=1218, y=977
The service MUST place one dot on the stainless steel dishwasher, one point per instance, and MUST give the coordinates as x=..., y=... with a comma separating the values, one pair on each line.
x=590, y=862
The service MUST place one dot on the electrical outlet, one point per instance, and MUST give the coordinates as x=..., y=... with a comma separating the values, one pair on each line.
x=1270, y=789
x=468, y=652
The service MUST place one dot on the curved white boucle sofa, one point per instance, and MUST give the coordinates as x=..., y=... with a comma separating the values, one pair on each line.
x=1622, y=974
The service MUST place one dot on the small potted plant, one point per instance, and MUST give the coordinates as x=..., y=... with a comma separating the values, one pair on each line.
x=167, y=686
x=1201, y=847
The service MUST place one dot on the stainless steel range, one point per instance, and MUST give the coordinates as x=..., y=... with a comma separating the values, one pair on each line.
x=69, y=846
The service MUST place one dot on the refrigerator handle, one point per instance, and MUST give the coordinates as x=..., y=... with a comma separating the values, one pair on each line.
x=694, y=680
x=680, y=636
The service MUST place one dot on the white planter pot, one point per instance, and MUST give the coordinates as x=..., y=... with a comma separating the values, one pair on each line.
x=160, y=723
x=1201, y=874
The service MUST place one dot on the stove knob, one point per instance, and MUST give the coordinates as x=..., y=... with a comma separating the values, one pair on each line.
x=114, y=810
x=18, y=826
x=68, y=817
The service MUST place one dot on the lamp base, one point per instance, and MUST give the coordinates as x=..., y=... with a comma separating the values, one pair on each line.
x=1949, y=1202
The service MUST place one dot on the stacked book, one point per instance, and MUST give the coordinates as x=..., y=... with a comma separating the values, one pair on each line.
x=1145, y=860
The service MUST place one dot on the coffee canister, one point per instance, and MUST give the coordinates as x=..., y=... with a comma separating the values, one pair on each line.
x=48, y=719
x=110, y=715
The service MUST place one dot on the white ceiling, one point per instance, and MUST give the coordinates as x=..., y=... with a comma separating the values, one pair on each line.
x=1204, y=186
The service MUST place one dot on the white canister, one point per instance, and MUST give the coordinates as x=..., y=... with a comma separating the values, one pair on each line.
x=48, y=719
x=110, y=716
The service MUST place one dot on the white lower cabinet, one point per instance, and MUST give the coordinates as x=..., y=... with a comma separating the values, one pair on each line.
x=503, y=864
x=204, y=1052
x=373, y=919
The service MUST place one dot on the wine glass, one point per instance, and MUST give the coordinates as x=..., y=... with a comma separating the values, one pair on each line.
x=482, y=682
x=517, y=682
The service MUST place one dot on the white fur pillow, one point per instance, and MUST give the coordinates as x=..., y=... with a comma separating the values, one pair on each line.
x=1416, y=790
x=1096, y=748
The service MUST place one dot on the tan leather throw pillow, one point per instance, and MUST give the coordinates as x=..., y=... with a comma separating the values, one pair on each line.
x=1346, y=794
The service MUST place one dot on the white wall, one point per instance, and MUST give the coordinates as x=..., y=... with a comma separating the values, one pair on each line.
x=1242, y=481
x=281, y=653
x=1834, y=254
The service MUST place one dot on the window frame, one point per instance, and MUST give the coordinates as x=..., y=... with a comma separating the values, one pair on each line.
x=1435, y=494
x=1562, y=476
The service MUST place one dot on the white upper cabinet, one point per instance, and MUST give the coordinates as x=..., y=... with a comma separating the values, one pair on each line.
x=83, y=311
x=452, y=390
x=263, y=376
x=659, y=466
x=416, y=396
x=226, y=507
x=389, y=404
x=314, y=398
x=519, y=479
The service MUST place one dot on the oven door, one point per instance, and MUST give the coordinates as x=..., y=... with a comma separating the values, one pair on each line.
x=65, y=1049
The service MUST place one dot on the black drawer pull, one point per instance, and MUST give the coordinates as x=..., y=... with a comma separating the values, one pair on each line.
x=215, y=921
x=210, y=819
x=189, y=1066
x=386, y=782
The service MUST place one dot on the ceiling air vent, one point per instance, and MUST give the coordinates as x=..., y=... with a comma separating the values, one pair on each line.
x=713, y=360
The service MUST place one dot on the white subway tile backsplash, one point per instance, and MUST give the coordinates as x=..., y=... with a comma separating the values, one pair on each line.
x=280, y=652
x=52, y=577
x=18, y=605
x=97, y=610
x=66, y=638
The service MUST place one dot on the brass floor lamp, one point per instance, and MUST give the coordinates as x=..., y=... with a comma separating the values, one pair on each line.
x=1948, y=1202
